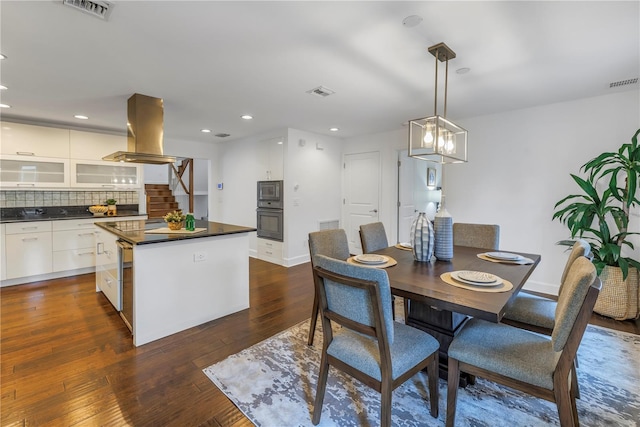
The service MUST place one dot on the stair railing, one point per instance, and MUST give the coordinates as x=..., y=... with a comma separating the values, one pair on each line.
x=176, y=178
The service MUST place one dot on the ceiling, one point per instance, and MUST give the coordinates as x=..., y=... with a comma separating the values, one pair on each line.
x=214, y=61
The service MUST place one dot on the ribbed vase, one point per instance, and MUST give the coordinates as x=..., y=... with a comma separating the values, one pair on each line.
x=443, y=227
x=422, y=238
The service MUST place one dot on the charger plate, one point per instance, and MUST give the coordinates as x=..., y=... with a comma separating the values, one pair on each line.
x=389, y=263
x=504, y=287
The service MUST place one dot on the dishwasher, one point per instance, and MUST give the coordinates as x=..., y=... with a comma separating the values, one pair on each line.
x=125, y=281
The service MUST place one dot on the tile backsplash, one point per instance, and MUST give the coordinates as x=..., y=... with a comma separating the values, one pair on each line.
x=28, y=199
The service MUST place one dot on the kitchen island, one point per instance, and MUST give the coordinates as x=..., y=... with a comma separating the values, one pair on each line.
x=178, y=280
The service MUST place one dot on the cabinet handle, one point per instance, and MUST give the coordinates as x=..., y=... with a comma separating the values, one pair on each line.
x=25, y=153
x=100, y=248
x=85, y=234
x=26, y=185
x=108, y=186
x=29, y=239
x=29, y=228
x=86, y=253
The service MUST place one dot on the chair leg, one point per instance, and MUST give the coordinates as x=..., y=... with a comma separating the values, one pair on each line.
x=565, y=401
x=393, y=307
x=575, y=389
x=385, y=404
x=314, y=319
x=322, y=385
x=452, y=391
x=406, y=309
x=432, y=372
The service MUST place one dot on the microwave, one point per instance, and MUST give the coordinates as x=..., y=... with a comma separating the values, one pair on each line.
x=270, y=194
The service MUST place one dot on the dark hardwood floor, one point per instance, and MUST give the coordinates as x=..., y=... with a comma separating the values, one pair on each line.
x=67, y=358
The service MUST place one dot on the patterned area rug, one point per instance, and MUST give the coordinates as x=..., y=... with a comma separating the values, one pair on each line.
x=274, y=384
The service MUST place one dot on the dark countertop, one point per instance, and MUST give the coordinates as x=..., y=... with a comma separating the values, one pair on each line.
x=133, y=231
x=8, y=215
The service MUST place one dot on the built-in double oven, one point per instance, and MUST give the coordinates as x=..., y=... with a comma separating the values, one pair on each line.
x=270, y=210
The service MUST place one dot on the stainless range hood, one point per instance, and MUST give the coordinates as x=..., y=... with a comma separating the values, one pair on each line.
x=145, y=116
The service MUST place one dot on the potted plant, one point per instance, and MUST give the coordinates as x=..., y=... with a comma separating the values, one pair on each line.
x=601, y=216
x=175, y=219
x=111, y=206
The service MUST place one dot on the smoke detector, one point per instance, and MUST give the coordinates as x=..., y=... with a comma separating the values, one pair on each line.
x=321, y=91
x=97, y=8
x=222, y=135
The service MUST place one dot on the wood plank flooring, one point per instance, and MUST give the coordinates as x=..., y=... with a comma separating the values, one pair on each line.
x=67, y=358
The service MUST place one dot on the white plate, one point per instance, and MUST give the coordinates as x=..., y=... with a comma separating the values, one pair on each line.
x=506, y=256
x=495, y=280
x=406, y=245
x=371, y=259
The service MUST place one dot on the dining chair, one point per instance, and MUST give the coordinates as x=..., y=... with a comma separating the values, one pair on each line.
x=485, y=236
x=524, y=360
x=331, y=243
x=373, y=237
x=368, y=346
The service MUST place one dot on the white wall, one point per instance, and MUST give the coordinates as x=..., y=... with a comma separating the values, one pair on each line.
x=519, y=166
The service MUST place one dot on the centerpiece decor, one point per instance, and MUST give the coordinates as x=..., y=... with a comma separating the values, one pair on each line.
x=175, y=219
x=601, y=216
x=443, y=228
x=422, y=238
x=111, y=207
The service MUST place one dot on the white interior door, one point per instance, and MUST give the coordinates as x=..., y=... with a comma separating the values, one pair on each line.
x=406, y=203
x=361, y=194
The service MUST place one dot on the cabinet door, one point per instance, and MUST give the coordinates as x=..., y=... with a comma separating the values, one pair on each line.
x=32, y=140
x=33, y=172
x=3, y=259
x=94, y=146
x=98, y=174
x=30, y=254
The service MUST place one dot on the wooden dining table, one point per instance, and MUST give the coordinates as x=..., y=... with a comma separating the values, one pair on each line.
x=441, y=309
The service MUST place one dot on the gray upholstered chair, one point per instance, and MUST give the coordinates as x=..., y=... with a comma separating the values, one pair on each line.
x=485, y=236
x=331, y=243
x=524, y=360
x=369, y=345
x=373, y=237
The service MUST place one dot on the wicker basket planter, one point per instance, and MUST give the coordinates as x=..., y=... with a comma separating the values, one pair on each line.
x=618, y=298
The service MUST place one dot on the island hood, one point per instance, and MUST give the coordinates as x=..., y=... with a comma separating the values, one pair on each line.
x=145, y=132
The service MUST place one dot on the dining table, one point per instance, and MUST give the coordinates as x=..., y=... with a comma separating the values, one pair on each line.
x=440, y=308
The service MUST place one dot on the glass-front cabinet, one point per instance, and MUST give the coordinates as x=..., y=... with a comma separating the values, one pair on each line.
x=33, y=172
x=105, y=174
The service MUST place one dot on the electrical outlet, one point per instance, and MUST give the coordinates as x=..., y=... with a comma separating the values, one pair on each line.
x=199, y=256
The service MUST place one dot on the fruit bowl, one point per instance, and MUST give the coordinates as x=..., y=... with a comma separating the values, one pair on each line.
x=97, y=210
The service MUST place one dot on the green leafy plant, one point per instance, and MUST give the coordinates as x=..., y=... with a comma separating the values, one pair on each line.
x=110, y=201
x=602, y=216
x=175, y=216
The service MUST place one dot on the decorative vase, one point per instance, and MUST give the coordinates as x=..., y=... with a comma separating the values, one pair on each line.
x=422, y=238
x=112, y=210
x=443, y=227
x=175, y=225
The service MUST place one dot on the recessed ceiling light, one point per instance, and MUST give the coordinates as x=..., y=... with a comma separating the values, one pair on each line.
x=463, y=70
x=81, y=117
x=5, y=106
x=247, y=117
x=205, y=130
x=3, y=56
x=411, y=21
x=334, y=129
x=2, y=87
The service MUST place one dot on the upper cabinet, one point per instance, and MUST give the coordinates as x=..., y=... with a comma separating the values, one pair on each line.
x=108, y=175
x=33, y=172
x=94, y=146
x=272, y=155
x=38, y=141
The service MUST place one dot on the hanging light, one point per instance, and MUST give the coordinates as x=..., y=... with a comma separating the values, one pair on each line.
x=435, y=138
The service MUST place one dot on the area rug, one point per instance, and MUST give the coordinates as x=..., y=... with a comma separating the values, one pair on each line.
x=274, y=384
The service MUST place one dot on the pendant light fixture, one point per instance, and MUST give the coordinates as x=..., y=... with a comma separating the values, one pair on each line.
x=435, y=138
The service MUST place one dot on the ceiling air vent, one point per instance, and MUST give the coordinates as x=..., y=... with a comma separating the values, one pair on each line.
x=99, y=9
x=623, y=83
x=223, y=135
x=321, y=91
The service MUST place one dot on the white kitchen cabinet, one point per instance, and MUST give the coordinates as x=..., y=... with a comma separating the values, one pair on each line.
x=73, y=244
x=105, y=175
x=94, y=146
x=270, y=250
x=107, y=266
x=3, y=259
x=30, y=253
x=271, y=154
x=30, y=140
x=33, y=172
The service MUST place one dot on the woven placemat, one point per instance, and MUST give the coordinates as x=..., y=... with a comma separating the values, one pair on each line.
x=504, y=287
x=389, y=263
x=521, y=261
x=404, y=248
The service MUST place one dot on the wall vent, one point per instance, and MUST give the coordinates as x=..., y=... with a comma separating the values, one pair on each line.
x=223, y=135
x=330, y=224
x=321, y=91
x=97, y=8
x=623, y=83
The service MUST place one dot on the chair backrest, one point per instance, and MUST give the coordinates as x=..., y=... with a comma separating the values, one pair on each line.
x=360, y=296
x=580, y=248
x=331, y=243
x=373, y=237
x=485, y=236
x=579, y=280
